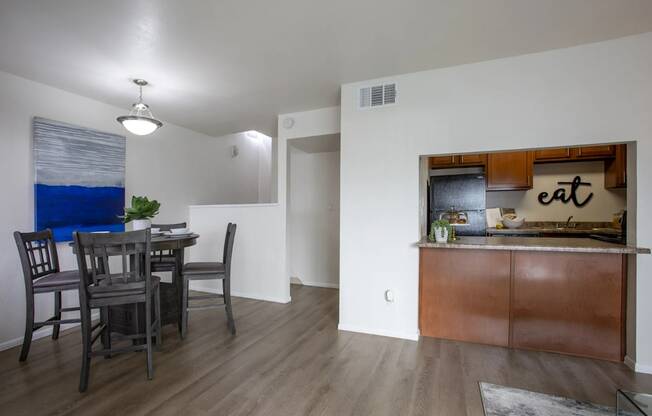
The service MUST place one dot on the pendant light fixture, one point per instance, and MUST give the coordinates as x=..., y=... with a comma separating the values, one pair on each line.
x=140, y=120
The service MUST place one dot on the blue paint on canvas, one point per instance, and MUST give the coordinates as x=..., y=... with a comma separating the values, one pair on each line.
x=79, y=179
x=65, y=209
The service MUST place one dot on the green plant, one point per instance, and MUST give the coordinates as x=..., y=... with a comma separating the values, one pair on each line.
x=438, y=224
x=141, y=209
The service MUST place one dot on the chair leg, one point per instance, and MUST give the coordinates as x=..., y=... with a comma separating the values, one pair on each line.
x=184, y=307
x=86, y=348
x=57, y=314
x=148, y=337
x=29, y=326
x=157, y=311
x=106, y=332
x=226, y=289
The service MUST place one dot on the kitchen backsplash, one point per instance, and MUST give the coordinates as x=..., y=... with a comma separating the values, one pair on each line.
x=602, y=205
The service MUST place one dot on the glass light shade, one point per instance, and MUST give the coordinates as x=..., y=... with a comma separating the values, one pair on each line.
x=140, y=120
x=140, y=126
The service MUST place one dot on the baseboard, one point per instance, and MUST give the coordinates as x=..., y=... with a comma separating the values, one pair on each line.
x=249, y=295
x=639, y=368
x=412, y=336
x=319, y=284
x=41, y=333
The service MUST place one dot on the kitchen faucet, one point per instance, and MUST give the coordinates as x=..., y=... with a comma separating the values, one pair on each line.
x=568, y=221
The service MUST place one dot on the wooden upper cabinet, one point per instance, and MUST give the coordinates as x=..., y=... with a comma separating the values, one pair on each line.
x=615, y=170
x=550, y=155
x=509, y=171
x=455, y=161
x=443, y=161
x=473, y=160
x=594, y=152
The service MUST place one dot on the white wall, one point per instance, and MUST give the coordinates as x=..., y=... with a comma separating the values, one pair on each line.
x=314, y=217
x=265, y=177
x=245, y=178
x=177, y=166
x=602, y=205
x=258, y=264
x=583, y=95
x=260, y=242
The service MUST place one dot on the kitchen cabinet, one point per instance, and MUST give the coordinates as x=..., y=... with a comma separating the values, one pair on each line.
x=473, y=160
x=456, y=161
x=552, y=155
x=615, y=170
x=464, y=295
x=509, y=171
x=593, y=152
x=526, y=299
x=555, y=308
x=443, y=161
x=563, y=154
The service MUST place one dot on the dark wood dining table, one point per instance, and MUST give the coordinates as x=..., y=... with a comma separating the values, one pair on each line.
x=130, y=319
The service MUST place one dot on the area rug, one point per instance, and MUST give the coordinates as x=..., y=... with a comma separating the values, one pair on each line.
x=506, y=401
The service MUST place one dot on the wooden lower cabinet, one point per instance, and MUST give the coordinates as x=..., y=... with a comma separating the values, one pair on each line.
x=464, y=295
x=571, y=303
x=565, y=302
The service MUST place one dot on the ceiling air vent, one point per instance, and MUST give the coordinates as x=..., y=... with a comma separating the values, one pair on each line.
x=377, y=95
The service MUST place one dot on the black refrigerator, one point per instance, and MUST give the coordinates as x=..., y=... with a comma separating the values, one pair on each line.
x=464, y=192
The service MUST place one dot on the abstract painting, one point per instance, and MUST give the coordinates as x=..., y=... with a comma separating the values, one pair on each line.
x=79, y=179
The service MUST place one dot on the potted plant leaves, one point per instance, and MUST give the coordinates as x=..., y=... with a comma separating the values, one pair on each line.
x=141, y=212
x=440, y=230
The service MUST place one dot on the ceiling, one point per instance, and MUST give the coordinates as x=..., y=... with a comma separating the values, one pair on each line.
x=317, y=144
x=222, y=66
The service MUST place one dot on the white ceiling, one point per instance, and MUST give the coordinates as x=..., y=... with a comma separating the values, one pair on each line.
x=232, y=65
x=317, y=144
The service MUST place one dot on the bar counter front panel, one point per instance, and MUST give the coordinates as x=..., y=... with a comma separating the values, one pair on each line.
x=557, y=301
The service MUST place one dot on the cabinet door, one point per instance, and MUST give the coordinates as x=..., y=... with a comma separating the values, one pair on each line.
x=443, y=161
x=545, y=155
x=464, y=295
x=509, y=171
x=473, y=160
x=589, y=152
x=555, y=307
x=615, y=170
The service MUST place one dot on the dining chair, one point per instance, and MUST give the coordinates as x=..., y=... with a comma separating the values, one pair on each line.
x=164, y=260
x=40, y=264
x=207, y=271
x=100, y=288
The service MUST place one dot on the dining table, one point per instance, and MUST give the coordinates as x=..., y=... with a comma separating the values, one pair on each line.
x=130, y=319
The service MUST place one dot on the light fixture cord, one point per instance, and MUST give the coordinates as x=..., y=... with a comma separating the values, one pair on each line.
x=140, y=95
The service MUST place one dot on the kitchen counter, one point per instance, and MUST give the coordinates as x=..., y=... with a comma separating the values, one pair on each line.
x=552, y=244
x=554, y=230
x=558, y=294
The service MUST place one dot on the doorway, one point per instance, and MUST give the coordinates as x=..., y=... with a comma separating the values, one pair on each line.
x=313, y=210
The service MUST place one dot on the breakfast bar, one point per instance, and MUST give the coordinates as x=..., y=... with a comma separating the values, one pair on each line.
x=565, y=295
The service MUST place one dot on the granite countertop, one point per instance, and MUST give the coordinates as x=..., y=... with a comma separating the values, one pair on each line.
x=559, y=244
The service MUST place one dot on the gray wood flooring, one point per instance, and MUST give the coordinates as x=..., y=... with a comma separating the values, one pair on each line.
x=291, y=360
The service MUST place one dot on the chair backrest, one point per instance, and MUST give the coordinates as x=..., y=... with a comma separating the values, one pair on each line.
x=228, y=246
x=38, y=254
x=168, y=227
x=95, y=249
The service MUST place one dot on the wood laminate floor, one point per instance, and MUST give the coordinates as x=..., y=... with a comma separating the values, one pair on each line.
x=291, y=360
